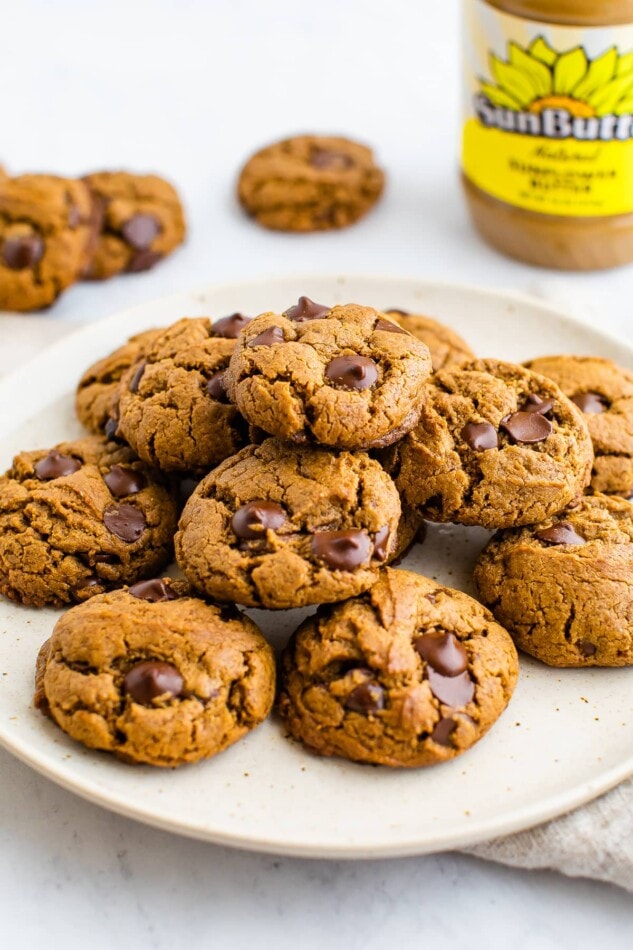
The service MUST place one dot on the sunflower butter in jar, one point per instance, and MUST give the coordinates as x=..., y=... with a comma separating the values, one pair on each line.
x=547, y=152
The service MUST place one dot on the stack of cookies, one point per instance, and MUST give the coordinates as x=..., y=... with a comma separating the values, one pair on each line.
x=312, y=444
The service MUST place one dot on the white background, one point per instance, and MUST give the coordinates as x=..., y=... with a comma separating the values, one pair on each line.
x=189, y=89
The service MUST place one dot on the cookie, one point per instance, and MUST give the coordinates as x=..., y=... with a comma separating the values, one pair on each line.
x=48, y=227
x=98, y=386
x=78, y=519
x=143, y=221
x=172, y=406
x=446, y=347
x=282, y=526
x=496, y=445
x=345, y=377
x=564, y=587
x=155, y=676
x=408, y=674
x=603, y=392
x=310, y=183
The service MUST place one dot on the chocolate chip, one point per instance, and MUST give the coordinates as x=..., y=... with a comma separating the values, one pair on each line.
x=24, y=251
x=443, y=732
x=528, y=428
x=534, y=403
x=87, y=583
x=452, y=690
x=140, y=230
x=590, y=403
x=381, y=543
x=110, y=429
x=443, y=652
x=306, y=309
x=388, y=327
x=352, y=372
x=252, y=520
x=562, y=533
x=56, y=465
x=229, y=328
x=269, y=337
x=323, y=158
x=154, y=591
x=125, y=522
x=342, y=550
x=587, y=648
x=366, y=698
x=401, y=313
x=106, y=559
x=138, y=375
x=216, y=387
x=432, y=599
x=480, y=436
x=150, y=679
x=143, y=260
x=124, y=481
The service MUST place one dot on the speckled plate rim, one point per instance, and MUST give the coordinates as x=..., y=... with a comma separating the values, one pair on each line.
x=12, y=396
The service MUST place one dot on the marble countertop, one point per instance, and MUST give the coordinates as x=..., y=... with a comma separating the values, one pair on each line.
x=189, y=89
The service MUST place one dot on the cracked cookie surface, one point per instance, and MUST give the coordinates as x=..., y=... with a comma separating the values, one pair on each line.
x=310, y=183
x=496, y=445
x=143, y=221
x=603, y=392
x=280, y=526
x=564, y=588
x=411, y=673
x=78, y=519
x=447, y=348
x=172, y=406
x=345, y=377
x=162, y=681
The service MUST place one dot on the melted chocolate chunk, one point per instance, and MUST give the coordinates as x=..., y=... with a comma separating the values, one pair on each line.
x=135, y=382
x=480, y=436
x=443, y=652
x=352, y=372
x=562, y=533
x=306, y=309
x=251, y=521
x=110, y=429
x=86, y=584
x=388, y=327
x=143, y=260
x=124, y=481
x=216, y=387
x=381, y=543
x=229, y=328
x=125, y=522
x=24, y=251
x=342, y=550
x=366, y=698
x=527, y=428
x=330, y=161
x=590, y=403
x=443, y=732
x=451, y=690
x=140, y=230
x=587, y=648
x=269, y=337
x=401, y=313
x=150, y=679
x=56, y=465
x=155, y=591
x=534, y=403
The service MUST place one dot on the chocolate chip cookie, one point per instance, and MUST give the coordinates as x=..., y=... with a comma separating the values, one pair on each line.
x=564, y=587
x=172, y=406
x=408, y=674
x=603, y=392
x=496, y=445
x=155, y=676
x=48, y=227
x=78, y=519
x=446, y=347
x=281, y=526
x=345, y=377
x=143, y=221
x=310, y=183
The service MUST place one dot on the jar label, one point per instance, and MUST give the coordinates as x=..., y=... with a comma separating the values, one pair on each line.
x=548, y=120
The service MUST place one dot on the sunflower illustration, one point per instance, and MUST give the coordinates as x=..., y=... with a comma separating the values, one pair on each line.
x=539, y=78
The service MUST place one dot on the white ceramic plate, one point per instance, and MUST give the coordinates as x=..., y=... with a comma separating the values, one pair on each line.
x=566, y=736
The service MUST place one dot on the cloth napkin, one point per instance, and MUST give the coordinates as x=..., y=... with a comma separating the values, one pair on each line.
x=595, y=841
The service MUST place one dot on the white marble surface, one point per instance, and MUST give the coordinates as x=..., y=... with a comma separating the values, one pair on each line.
x=189, y=88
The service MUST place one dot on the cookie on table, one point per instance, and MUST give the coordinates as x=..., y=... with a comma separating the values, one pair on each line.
x=564, y=588
x=310, y=183
x=496, y=445
x=447, y=348
x=411, y=673
x=155, y=675
x=143, y=221
x=79, y=519
x=172, y=406
x=603, y=391
x=283, y=526
x=48, y=228
x=344, y=376
x=98, y=386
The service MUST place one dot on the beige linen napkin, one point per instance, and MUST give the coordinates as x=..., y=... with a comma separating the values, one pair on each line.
x=595, y=841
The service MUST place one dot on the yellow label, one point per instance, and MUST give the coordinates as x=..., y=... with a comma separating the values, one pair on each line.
x=548, y=113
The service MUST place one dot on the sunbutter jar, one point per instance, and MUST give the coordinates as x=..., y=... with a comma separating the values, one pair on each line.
x=547, y=148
